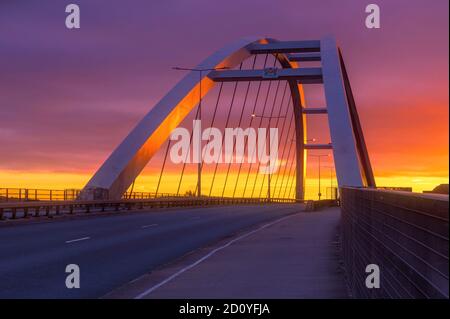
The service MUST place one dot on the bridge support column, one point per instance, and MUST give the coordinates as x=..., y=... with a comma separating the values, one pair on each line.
x=346, y=159
x=300, y=135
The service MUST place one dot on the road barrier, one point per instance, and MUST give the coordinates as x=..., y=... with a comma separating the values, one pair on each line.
x=14, y=210
x=34, y=194
x=405, y=234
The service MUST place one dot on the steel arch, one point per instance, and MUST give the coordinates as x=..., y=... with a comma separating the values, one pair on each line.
x=127, y=161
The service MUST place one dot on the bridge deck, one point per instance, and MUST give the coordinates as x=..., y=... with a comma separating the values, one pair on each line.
x=113, y=249
x=296, y=257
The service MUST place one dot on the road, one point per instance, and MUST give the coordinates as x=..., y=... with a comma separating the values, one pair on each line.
x=115, y=249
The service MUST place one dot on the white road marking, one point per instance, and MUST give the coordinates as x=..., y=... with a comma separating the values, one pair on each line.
x=151, y=225
x=78, y=239
x=175, y=275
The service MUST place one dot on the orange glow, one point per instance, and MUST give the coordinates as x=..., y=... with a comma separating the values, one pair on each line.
x=147, y=182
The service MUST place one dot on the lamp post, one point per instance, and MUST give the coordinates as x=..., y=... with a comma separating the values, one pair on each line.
x=319, y=157
x=200, y=72
x=268, y=176
x=331, y=180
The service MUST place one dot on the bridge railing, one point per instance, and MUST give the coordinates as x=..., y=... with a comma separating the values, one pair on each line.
x=405, y=234
x=36, y=194
x=147, y=195
x=14, y=210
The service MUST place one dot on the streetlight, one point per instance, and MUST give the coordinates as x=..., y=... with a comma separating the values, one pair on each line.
x=268, y=175
x=319, y=157
x=331, y=180
x=200, y=71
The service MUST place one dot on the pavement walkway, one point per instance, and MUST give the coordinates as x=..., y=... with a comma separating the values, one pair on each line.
x=295, y=257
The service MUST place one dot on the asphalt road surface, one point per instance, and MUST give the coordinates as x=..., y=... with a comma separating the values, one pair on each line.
x=115, y=249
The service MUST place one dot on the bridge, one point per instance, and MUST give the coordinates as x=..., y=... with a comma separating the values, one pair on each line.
x=230, y=209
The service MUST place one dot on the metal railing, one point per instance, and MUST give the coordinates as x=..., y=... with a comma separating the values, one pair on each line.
x=146, y=195
x=34, y=194
x=14, y=210
x=405, y=234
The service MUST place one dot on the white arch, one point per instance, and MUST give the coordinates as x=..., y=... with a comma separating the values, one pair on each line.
x=350, y=153
x=128, y=160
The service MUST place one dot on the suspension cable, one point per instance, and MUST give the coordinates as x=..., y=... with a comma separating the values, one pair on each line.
x=245, y=145
x=212, y=124
x=291, y=180
x=226, y=124
x=239, y=125
x=284, y=116
x=260, y=122
x=287, y=161
x=276, y=125
x=250, y=124
x=268, y=124
x=187, y=154
x=287, y=136
x=265, y=141
x=162, y=168
x=287, y=144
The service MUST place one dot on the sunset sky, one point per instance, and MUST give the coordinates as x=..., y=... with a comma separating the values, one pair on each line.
x=69, y=97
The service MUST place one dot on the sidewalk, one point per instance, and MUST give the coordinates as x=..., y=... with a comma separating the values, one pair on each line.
x=296, y=257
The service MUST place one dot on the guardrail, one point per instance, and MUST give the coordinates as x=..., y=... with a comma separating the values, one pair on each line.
x=405, y=234
x=14, y=210
x=148, y=195
x=35, y=194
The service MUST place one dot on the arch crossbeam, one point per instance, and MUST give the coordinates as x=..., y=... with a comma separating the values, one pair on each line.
x=302, y=75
